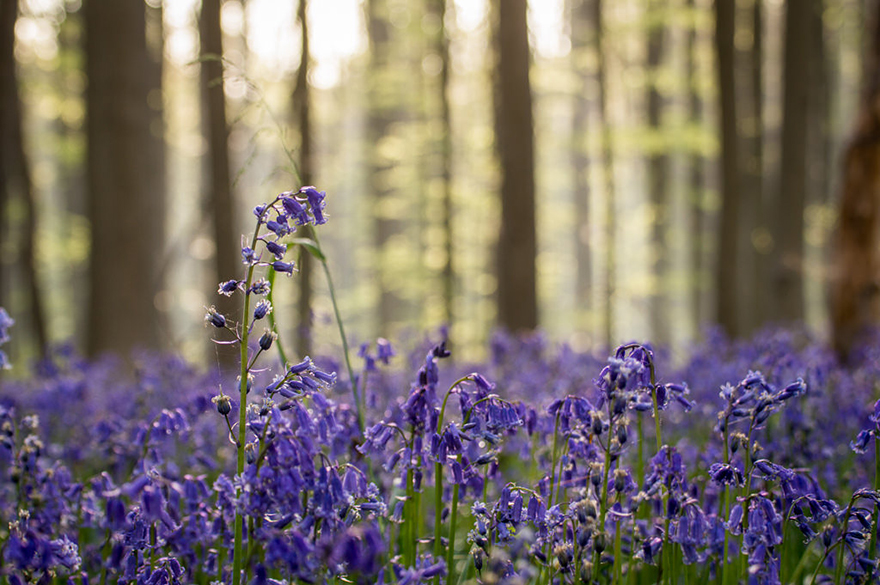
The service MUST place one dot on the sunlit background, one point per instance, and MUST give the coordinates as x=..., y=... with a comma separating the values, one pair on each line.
x=262, y=56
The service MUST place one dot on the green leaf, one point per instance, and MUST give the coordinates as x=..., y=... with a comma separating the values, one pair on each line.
x=311, y=246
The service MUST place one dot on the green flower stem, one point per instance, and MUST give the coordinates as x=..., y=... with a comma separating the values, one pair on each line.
x=272, y=323
x=358, y=401
x=618, y=556
x=453, y=510
x=453, y=520
x=872, y=548
x=725, y=573
x=438, y=481
x=238, y=527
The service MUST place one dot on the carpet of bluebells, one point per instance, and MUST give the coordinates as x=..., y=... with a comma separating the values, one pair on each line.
x=755, y=462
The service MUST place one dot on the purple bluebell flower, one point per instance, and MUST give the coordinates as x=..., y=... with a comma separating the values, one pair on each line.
x=287, y=268
x=228, y=287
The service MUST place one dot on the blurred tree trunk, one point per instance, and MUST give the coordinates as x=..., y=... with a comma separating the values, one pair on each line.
x=855, y=293
x=727, y=261
x=380, y=114
x=303, y=116
x=126, y=178
x=750, y=87
x=581, y=15
x=657, y=178
x=789, y=293
x=607, y=163
x=15, y=179
x=514, y=140
x=696, y=178
x=217, y=196
x=441, y=48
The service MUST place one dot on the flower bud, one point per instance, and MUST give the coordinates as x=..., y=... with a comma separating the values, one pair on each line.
x=266, y=340
x=224, y=404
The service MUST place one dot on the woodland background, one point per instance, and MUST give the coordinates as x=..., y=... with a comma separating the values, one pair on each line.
x=601, y=170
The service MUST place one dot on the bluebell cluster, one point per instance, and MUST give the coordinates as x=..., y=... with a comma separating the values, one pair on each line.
x=541, y=465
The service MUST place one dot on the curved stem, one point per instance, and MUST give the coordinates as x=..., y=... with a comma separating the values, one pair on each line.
x=359, y=406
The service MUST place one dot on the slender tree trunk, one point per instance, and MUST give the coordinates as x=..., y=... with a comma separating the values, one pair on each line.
x=380, y=99
x=727, y=261
x=15, y=179
x=439, y=8
x=218, y=196
x=126, y=178
x=750, y=102
x=581, y=15
x=793, y=172
x=657, y=182
x=607, y=163
x=758, y=237
x=303, y=114
x=696, y=180
x=517, y=279
x=855, y=293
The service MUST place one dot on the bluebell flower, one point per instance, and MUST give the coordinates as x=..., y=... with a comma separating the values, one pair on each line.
x=214, y=318
x=228, y=287
x=287, y=268
x=262, y=308
x=249, y=256
x=316, y=203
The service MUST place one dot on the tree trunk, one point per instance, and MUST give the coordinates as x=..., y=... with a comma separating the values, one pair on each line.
x=15, y=179
x=793, y=172
x=657, y=182
x=855, y=294
x=727, y=261
x=380, y=100
x=696, y=181
x=218, y=197
x=302, y=113
x=749, y=85
x=581, y=15
x=517, y=286
x=441, y=47
x=126, y=178
x=607, y=163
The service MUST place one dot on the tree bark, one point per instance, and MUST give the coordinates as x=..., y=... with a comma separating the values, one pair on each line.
x=657, y=182
x=793, y=172
x=581, y=16
x=218, y=196
x=608, y=185
x=303, y=115
x=441, y=47
x=517, y=280
x=15, y=179
x=727, y=262
x=381, y=103
x=696, y=181
x=855, y=292
x=126, y=178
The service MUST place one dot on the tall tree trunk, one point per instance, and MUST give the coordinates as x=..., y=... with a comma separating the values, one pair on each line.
x=303, y=115
x=750, y=100
x=793, y=172
x=657, y=181
x=582, y=27
x=696, y=179
x=15, y=179
x=727, y=261
x=607, y=163
x=514, y=139
x=217, y=196
x=126, y=178
x=380, y=99
x=855, y=293
x=441, y=47
x=759, y=241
